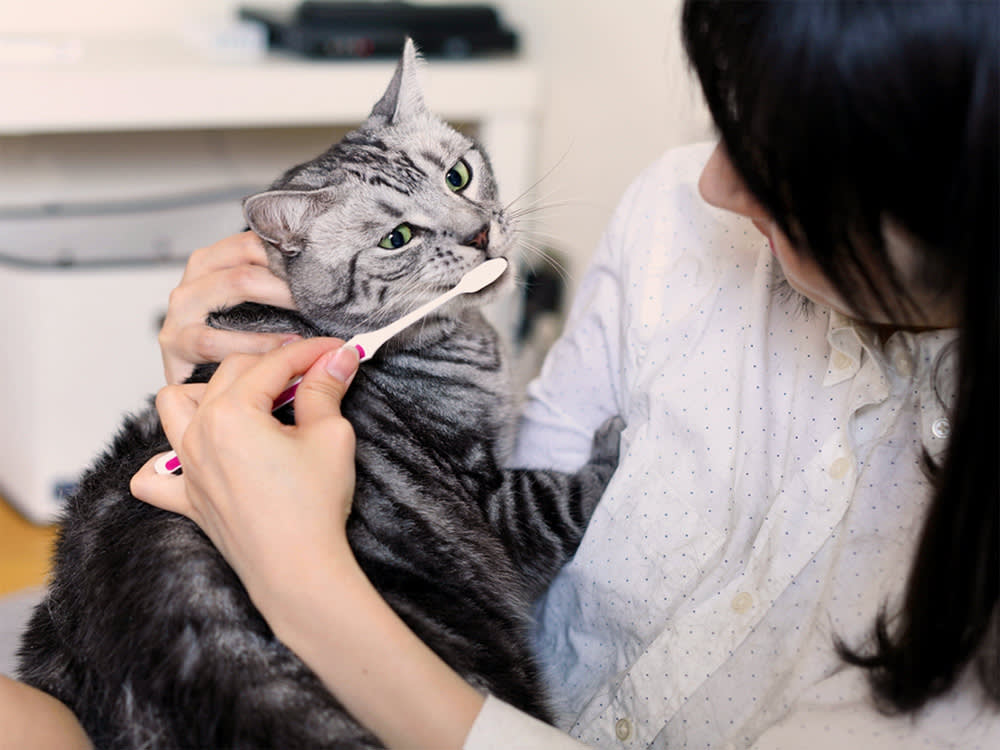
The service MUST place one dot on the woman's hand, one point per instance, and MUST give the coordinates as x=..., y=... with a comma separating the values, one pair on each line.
x=231, y=271
x=272, y=498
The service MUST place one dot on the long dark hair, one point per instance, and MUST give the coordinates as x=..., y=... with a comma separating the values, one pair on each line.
x=840, y=115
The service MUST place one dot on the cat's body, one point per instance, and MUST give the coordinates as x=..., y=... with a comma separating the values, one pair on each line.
x=148, y=635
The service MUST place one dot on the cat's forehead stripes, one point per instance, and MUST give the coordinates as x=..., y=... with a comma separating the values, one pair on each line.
x=373, y=228
x=390, y=210
x=372, y=161
x=434, y=159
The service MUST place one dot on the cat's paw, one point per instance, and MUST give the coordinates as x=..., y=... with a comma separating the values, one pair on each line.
x=596, y=474
x=607, y=442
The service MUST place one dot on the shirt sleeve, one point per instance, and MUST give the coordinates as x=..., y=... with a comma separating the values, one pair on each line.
x=579, y=385
x=500, y=726
x=585, y=377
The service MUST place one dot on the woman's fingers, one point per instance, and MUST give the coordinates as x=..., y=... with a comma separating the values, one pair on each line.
x=324, y=385
x=166, y=491
x=201, y=343
x=240, y=380
x=239, y=249
x=177, y=405
x=267, y=376
x=229, y=286
x=231, y=271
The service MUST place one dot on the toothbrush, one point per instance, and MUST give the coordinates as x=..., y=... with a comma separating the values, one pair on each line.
x=367, y=344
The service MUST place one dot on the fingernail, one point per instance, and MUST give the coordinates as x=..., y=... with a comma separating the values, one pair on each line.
x=343, y=365
x=168, y=463
x=290, y=340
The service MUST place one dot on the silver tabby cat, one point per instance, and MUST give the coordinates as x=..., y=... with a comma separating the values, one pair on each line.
x=145, y=631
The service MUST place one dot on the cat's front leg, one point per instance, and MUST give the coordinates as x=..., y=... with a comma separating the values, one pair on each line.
x=541, y=515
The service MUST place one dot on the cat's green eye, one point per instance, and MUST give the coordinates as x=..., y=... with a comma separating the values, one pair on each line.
x=397, y=237
x=459, y=176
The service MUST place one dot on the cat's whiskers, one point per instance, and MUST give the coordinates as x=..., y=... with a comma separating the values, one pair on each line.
x=537, y=249
x=376, y=318
x=539, y=208
x=406, y=292
x=552, y=197
x=548, y=173
x=530, y=238
x=382, y=316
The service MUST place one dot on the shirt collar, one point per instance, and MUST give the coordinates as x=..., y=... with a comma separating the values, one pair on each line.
x=923, y=359
x=848, y=340
x=846, y=346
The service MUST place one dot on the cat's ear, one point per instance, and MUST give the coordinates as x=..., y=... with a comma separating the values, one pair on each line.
x=404, y=98
x=282, y=217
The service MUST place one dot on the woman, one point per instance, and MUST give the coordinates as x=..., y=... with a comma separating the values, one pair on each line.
x=801, y=542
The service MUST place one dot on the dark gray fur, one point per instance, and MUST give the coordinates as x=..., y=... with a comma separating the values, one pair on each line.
x=148, y=635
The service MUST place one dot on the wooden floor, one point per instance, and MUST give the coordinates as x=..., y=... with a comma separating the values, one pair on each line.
x=25, y=550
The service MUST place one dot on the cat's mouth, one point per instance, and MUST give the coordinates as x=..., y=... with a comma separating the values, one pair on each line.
x=486, y=293
x=501, y=284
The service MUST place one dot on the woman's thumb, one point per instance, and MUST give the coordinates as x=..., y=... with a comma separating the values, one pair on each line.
x=324, y=385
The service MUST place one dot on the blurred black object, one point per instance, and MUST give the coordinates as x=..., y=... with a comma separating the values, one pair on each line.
x=542, y=290
x=349, y=30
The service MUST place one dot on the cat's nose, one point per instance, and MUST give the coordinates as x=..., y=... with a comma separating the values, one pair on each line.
x=479, y=239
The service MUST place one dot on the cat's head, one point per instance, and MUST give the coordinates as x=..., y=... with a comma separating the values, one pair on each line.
x=388, y=218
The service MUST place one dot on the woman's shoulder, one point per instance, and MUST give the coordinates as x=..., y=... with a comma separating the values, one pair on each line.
x=662, y=215
x=677, y=167
x=680, y=164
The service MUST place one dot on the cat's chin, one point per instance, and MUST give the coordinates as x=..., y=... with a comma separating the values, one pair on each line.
x=503, y=286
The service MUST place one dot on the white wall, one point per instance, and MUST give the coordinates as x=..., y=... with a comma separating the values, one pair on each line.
x=617, y=91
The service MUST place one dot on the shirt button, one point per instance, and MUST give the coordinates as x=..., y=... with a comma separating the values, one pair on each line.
x=839, y=468
x=741, y=602
x=904, y=365
x=941, y=428
x=841, y=361
x=623, y=729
